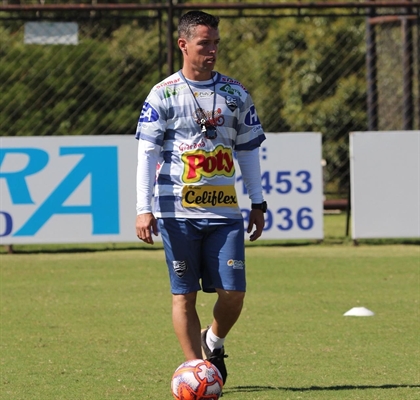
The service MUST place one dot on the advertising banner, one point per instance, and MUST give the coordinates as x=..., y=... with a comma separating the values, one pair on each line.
x=81, y=189
x=71, y=189
x=291, y=176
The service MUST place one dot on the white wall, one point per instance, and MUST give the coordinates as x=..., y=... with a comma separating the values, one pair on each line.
x=385, y=184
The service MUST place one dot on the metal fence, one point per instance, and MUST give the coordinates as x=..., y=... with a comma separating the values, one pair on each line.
x=86, y=69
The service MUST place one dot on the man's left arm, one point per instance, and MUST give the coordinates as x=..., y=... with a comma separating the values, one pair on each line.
x=249, y=164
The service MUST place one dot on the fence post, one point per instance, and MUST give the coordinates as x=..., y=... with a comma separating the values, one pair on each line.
x=170, y=37
x=372, y=73
x=418, y=68
x=407, y=64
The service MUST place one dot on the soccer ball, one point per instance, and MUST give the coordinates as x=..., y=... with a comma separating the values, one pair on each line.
x=197, y=380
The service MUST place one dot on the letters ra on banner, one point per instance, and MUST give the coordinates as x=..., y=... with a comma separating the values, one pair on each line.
x=61, y=190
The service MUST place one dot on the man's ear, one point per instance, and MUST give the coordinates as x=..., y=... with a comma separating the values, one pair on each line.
x=182, y=44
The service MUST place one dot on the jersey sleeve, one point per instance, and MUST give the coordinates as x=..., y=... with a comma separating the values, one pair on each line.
x=250, y=133
x=151, y=125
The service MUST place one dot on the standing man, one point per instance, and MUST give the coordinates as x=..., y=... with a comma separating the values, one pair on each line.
x=190, y=126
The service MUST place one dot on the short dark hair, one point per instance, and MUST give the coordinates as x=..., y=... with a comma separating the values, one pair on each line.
x=189, y=21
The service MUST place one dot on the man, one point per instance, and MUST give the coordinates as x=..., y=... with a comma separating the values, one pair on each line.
x=190, y=125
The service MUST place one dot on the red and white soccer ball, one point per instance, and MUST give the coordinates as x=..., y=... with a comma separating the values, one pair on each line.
x=197, y=380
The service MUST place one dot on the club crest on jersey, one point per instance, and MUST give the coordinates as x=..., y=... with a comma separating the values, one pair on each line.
x=232, y=103
x=251, y=118
x=148, y=114
x=201, y=163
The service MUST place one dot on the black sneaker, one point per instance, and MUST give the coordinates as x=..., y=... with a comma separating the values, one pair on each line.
x=216, y=357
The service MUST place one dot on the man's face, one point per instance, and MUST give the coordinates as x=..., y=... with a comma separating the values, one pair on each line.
x=200, y=52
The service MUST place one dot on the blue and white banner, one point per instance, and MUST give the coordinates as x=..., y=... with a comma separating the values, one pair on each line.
x=81, y=189
x=70, y=189
x=291, y=176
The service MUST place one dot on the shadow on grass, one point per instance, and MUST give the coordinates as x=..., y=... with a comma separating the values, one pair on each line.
x=251, y=389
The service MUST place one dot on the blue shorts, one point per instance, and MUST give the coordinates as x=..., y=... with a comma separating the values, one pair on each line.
x=208, y=250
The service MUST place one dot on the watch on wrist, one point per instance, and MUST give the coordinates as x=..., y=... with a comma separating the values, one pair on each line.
x=260, y=206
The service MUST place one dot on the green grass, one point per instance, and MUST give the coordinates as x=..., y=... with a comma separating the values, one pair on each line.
x=97, y=324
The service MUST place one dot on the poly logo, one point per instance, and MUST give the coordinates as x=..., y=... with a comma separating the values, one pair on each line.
x=199, y=163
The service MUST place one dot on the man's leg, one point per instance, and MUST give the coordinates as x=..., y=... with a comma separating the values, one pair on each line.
x=187, y=324
x=226, y=311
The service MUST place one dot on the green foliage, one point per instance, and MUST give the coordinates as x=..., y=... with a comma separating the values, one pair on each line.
x=96, y=87
x=305, y=74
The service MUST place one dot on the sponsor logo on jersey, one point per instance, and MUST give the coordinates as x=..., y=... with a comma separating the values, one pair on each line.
x=203, y=95
x=180, y=268
x=166, y=83
x=191, y=146
x=209, y=196
x=202, y=163
x=251, y=118
x=230, y=90
x=173, y=90
x=215, y=117
x=229, y=80
x=148, y=114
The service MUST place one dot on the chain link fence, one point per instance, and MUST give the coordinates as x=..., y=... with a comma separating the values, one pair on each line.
x=306, y=72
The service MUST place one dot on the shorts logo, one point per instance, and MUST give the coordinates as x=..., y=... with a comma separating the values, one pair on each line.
x=148, y=114
x=180, y=268
x=236, y=264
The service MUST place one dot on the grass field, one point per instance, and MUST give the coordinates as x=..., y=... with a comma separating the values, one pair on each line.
x=81, y=324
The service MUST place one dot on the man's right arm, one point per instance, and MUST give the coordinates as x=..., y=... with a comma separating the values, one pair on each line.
x=147, y=159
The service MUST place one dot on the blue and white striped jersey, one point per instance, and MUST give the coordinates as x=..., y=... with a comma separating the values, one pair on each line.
x=196, y=178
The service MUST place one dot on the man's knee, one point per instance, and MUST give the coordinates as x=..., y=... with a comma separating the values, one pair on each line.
x=231, y=297
x=187, y=300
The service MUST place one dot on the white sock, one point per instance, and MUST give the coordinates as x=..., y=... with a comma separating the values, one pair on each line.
x=213, y=341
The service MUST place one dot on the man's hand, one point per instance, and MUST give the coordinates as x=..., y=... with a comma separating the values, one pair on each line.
x=256, y=217
x=146, y=224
